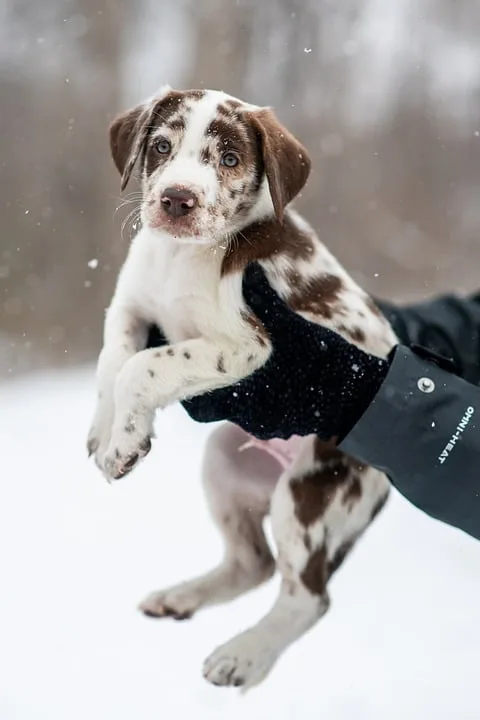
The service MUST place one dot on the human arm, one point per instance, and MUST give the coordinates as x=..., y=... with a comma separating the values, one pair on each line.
x=316, y=382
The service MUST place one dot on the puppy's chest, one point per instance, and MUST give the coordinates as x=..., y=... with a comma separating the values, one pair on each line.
x=180, y=293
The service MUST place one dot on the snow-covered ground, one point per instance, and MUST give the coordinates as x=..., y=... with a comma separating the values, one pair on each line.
x=402, y=639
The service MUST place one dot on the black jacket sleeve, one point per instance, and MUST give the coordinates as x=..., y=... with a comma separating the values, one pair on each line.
x=423, y=430
x=448, y=325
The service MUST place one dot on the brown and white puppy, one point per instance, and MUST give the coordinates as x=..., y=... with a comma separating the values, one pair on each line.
x=218, y=175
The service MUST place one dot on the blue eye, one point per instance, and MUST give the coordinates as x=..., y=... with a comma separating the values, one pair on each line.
x=162, y=146
x=229, y=159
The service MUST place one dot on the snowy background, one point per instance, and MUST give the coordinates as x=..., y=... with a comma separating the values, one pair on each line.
x=386, y=96
x=400, y=641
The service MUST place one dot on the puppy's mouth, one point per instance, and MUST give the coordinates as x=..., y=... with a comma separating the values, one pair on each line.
x=197, y=225
x=184, y=230
x=157, y=219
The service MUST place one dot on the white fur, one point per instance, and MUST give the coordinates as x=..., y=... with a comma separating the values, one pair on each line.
x=177, y=287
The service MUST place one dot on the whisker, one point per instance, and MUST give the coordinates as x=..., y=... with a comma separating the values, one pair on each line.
x=133, y=217
x=125, y=203
x=239, y=232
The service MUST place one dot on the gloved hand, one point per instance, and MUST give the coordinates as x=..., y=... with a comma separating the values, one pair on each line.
x=313, y=382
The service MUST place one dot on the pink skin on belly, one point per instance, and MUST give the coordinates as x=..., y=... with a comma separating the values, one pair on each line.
x=284, y=451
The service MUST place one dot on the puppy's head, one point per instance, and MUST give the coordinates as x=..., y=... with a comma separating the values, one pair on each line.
x=210, y=164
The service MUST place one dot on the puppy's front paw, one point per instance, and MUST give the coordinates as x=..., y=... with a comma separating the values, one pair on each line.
x=99, y=433
x=130, y=442
x=93, y=441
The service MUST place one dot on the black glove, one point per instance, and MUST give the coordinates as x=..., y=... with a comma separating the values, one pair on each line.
x=313, y=382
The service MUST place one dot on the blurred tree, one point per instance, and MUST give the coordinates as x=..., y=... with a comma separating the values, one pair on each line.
x=57, y=181
x=384, y=95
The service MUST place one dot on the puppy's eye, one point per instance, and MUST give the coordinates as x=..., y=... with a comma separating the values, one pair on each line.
x=229, y=159
x=162, y=146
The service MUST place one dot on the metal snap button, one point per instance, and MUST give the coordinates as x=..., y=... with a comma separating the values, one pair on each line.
x=426, y=385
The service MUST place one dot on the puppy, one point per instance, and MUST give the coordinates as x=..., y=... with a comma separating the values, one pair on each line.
x=218, y=176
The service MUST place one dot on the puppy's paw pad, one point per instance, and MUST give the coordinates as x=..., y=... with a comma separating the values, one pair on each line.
x=119, y=462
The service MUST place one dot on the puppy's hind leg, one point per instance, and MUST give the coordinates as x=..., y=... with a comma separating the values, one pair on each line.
x=319, y=508
x=238, y=487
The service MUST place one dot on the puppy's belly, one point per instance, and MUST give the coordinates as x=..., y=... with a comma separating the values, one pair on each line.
x=284, y=451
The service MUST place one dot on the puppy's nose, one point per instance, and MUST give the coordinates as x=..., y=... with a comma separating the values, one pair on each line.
x=177, y=202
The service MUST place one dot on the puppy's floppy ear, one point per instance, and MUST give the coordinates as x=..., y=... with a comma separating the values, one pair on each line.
x=129, y=131
x=286, y=161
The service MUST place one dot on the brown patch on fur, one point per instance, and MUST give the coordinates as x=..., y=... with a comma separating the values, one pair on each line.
x=326, y=451
x=378, y=507
x=130, y=130
x=153, y=159
x=319, y=296
x=221, y=364
x=286, y=161
x=229, y=134
x=193, y=94
x=206, y=155
x=313, y=493
x=187, y=355
x=353, y=492
x=264, y=240
x=122, y=132
x=307, y=542
x=228, y=106
x=177, y=124
x=157, y=354
x=340, y=556
x=373, y=307
x=357, y=335
x=257, y=549
x=171, y=352
x=315, y=573
x=151, y=373
x=260, y=332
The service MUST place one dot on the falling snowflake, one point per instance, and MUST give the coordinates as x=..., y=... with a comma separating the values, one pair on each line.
x=93, y=263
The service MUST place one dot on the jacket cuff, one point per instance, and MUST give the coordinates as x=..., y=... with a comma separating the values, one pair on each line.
x=417, y=408
x=422, y=430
